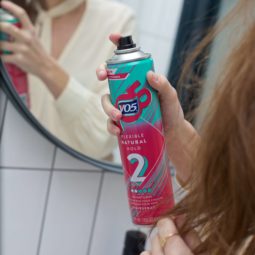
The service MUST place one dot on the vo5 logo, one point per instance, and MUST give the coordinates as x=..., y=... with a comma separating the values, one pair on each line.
x=129, y=107
x=133, y=102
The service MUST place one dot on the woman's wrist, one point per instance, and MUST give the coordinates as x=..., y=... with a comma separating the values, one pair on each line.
x=182, y=146
x=54, y=77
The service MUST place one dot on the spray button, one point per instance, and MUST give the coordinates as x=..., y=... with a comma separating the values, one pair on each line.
x=126, y=43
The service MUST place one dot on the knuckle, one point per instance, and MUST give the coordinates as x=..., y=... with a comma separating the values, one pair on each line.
x=162, y=223
x=163, y=79
x=19, y=57
x=21, y=13
x=14, y=29
x=24, y=49
x=29, y=38
x=32, y=31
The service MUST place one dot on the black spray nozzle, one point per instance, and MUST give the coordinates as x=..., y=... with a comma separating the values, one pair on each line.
x=134, y=242
x=126, y=43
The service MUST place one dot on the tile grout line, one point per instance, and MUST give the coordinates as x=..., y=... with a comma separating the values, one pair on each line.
x=3, y=119
x=46, y=203
x=1, y=131
x=49, y=169
x=95, y=213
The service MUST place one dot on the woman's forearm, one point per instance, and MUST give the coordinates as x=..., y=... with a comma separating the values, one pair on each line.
x=182, y=147
x=54, y=77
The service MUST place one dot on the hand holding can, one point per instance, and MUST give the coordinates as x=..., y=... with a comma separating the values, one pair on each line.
x=141, y=140
x=18, y=76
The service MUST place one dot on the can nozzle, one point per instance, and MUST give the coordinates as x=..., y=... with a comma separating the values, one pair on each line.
x=126, y=43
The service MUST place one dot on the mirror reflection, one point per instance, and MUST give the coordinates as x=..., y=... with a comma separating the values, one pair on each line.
x=51, y=49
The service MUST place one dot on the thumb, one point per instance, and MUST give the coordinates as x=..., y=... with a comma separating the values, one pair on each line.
x=162, y=85
x=115, y=38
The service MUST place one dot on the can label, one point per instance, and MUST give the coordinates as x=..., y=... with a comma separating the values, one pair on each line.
x=141, y=142
x=20, y=82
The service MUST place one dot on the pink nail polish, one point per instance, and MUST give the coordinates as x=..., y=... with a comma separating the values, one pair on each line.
x=101, y=73
x=155, y=78
x=114, y=115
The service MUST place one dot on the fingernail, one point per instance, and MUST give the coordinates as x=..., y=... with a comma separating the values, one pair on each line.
x=155, y=78
x=101, y=73
x=115, y=115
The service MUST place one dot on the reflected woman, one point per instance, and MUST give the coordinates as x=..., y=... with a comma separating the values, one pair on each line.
x=60, y=45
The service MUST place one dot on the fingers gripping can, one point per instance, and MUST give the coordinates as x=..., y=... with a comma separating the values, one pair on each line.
x=18, y=76
x=141, y=142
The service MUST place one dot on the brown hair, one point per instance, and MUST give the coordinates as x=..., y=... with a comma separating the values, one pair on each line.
x=30, y=7
x=220, y=204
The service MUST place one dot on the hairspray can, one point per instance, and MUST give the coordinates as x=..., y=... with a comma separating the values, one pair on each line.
x=18, y=76
x=141, y=142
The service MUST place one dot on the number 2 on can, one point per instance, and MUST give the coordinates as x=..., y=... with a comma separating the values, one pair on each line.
x=138, y=175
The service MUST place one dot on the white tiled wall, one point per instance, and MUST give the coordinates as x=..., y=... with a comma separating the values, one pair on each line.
x=70, y=213
x=157, y=26
x=22, y=207
x=52, y=203
x=113, y=216
x=18, y=142
x=66, y=162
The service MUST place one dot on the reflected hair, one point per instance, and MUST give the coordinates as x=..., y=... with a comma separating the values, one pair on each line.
x=220, y=203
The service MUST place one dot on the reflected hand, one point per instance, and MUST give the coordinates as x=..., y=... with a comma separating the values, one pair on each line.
x=27, y=52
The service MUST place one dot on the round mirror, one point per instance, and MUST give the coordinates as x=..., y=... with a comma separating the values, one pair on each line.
x=52, y=55
x=52, y=48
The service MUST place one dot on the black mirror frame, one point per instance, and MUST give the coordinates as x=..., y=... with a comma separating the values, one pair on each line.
x=193, y=10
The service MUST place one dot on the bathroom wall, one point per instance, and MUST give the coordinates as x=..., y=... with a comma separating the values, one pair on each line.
x=54, y=204
x=157, y=26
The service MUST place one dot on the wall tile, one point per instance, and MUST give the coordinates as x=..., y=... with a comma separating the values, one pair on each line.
x=113, y=217
x=149, y=15
x=22, y=202
x=22, y=146
x=169, y=18
x=147, y=41
x=70, y=213
x=65, y=161
x=160, y=50
x=157, y=26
